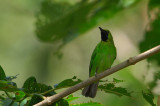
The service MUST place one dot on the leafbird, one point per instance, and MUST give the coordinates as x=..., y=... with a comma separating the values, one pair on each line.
x=102, y=59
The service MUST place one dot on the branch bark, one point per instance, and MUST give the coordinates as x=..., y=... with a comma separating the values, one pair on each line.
x=158, y=101
x=130, y=61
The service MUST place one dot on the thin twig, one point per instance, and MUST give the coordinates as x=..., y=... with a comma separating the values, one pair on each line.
x=9, y=96
x=158, y=101
x=44, y=93
x=130, y=61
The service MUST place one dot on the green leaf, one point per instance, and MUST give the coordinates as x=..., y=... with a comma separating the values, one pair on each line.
x=19, y=95
x=68, y=83
x=62, y=102
x=9, y=102
x=88, y=104
x=151, y=40
x=71, y=98
x=110, y=88
x=102, y=80
x=7, y=86
x=28, y=82
x=35, y=99
x=116, y=80
x=148, y=96
x=2, y=97
x=2, y=74
x=31, y=86
x=24, y=102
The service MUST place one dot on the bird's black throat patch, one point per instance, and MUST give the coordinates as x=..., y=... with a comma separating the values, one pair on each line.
x=104, y=34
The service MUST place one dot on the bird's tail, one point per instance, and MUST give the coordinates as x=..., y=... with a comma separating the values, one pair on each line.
x=90, y=90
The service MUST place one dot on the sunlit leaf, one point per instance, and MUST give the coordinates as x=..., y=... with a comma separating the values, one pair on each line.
x=113, y=81
x=127, y=3
x=24, y=102
x=111, y=88
x=116, y=80
x=148, y=96
x=88, y=104
x=19, y=95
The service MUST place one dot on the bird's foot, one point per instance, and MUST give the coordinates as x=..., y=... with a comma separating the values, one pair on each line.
x=96, y=72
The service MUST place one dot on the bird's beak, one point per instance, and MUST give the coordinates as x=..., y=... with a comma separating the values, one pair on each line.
x=101, y=29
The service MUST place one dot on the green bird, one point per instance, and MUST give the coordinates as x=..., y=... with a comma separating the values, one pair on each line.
x=102, y=59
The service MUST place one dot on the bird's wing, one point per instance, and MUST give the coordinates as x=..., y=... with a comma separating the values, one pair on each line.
x=92, y=59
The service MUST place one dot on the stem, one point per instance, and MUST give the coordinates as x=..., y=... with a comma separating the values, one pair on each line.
x=158, y=101
x=130, y=61
x=52, y=90
x=43, y=97
x=9, y=96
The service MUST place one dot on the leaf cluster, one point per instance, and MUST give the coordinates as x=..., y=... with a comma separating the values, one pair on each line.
x=33, y=92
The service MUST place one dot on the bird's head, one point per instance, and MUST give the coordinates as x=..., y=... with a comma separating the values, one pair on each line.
x=105, y=35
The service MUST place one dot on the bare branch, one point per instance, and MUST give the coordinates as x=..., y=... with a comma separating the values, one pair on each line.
x=130, y=61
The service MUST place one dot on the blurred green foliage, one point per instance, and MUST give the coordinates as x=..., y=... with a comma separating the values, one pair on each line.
x=62, y=21
x=154, y=4
x=152, y=39
x=156, y=78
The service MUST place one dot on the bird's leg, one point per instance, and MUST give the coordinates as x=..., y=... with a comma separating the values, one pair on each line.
x=96, y=72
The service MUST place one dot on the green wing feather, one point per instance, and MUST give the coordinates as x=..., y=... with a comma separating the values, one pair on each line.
x=92, y=59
